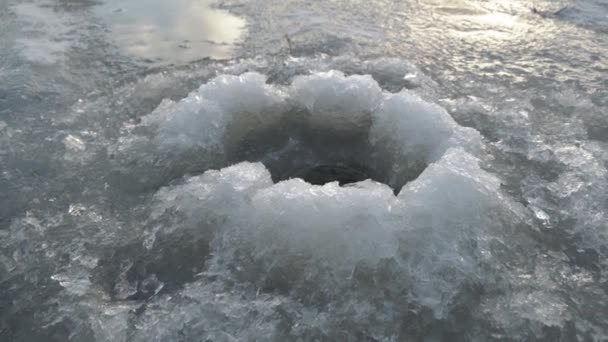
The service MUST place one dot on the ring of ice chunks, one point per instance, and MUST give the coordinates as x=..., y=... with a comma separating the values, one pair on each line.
x=418, y=210
x=321, y=128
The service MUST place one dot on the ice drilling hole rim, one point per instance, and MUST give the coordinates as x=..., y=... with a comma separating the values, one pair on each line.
x=297, y=130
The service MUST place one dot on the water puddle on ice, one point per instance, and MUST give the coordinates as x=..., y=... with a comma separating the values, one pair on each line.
x=172, y=31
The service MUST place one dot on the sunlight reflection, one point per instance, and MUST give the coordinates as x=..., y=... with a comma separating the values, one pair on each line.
x=172, y=31
x=484, y=37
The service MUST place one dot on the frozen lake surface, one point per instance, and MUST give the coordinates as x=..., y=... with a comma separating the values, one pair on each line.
x=265, y=170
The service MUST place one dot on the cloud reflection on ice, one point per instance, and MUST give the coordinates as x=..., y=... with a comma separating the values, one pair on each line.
x=176, y=31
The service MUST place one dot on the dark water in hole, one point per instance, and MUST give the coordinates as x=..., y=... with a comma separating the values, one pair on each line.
x=321, y=174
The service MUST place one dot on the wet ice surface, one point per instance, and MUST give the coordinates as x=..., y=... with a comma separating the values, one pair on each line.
x=163, y=203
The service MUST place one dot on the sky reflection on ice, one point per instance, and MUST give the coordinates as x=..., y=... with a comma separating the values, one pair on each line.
x=175, y=31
